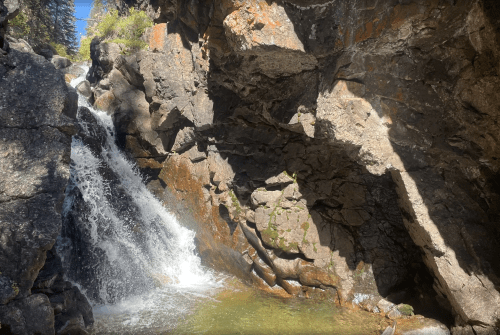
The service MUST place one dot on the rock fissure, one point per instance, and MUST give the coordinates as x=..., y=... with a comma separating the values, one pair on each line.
x=372, y=96
x=329, y=149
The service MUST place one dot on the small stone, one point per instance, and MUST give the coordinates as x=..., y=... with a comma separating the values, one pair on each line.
x=60, y=62
x=84, y=89
x=385, y=306
x=394, y=314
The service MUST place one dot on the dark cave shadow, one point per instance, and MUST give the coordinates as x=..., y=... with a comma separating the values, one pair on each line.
x=465, y=219
x=262, y=147
x=257, y=153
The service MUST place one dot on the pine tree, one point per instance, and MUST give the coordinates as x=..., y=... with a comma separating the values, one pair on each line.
x=64, y=28
x=44, y=22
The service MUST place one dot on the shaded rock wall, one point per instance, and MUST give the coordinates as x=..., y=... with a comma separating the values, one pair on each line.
x=353, y=144
x=36, y=123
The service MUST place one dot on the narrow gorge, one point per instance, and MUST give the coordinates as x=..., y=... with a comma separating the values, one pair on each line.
x=325, y=150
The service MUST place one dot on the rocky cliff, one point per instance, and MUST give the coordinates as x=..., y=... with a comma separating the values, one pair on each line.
x=327, y=148
x=37, y=111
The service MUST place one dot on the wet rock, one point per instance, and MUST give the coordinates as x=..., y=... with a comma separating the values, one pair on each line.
x=435, y=330
x=31, y=315
x=8, y=290
x=84, y=89
x=94, y=135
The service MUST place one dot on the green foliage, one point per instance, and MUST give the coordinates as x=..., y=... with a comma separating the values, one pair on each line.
x=84, y=51
x=19, y=25
x=130, y=44
x=107, y=26
x=111, y=27
x=405, y=309
x=305, y=226
x=60, y=49
x=236, y=203
x=41, y=22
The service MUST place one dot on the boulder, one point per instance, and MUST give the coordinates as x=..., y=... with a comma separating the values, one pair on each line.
x=47, y=53
x=84, y=89
x=8, y=10
x=20, y=45
x=265, y=32
x=37, y=111
x=129, y=67
x=103, y=55
x=60, y=62
x=46, y=50
x=31, y=315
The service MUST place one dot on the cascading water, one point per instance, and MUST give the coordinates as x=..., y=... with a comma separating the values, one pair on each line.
x=128, y=254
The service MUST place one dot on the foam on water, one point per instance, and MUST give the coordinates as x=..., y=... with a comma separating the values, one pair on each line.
x=158, y=253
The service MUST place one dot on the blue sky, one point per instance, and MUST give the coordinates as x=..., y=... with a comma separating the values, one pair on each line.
x=82, y=10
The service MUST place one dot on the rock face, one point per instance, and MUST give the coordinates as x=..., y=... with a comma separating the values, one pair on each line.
x=36, y=124
x=334, y=148
x=8, y=10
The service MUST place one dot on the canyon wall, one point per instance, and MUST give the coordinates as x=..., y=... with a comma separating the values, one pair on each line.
x=346, y=149
x=37, y=111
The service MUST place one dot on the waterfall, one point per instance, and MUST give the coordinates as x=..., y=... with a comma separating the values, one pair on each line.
x=119, y=244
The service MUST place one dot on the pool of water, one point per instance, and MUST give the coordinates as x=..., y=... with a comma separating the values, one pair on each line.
x=235, y=309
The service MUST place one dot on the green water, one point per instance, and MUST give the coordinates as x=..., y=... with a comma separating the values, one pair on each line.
x=235, y=309
x=253, y=312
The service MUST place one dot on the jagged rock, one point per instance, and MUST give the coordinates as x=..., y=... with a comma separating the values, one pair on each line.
x=8, y=10
x=385, y=306
x=36, y=124
x=282, y=179
x=385, y=116
x=60, y=62
x=7, y=290
x=184, y=139
x=31, y=315
x=394, y=314
x=195, y=155
x=84, y=89
x=104, y=54
x=265, y=32
x=20, y=45
x=72, y=311
x=129, y=67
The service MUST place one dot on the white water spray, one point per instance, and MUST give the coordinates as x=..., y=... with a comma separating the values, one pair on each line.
x=146, y=253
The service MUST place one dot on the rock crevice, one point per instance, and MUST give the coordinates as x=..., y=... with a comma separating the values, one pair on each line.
x=352, y=144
